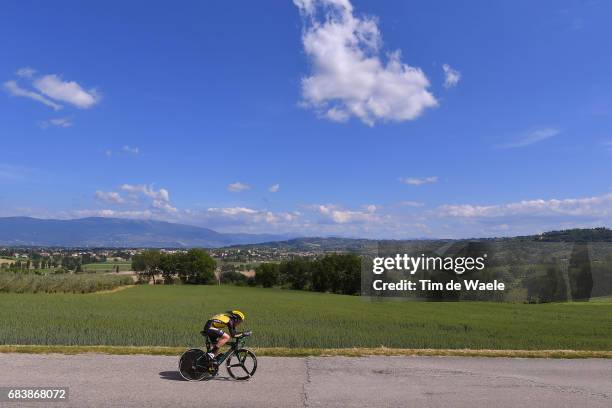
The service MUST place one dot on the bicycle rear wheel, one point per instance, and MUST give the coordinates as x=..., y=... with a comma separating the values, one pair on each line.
x=190, y=365
x=241, y=364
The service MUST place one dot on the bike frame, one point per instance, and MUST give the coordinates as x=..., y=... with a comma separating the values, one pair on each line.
x=237, y=344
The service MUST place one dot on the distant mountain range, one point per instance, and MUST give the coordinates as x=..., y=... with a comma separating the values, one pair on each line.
x=125, y=233
x=118, y=232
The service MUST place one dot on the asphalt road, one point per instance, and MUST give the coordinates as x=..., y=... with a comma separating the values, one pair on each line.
x=138, y=381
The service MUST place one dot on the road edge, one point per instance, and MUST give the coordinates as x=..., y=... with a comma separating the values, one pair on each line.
x=310, y=352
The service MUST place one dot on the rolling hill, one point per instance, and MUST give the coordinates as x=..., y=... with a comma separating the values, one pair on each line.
x=117, y=232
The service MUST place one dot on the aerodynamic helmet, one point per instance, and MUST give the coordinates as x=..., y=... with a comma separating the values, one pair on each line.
x=237, y=314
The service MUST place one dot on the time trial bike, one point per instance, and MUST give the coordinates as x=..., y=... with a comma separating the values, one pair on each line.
x=196, y=365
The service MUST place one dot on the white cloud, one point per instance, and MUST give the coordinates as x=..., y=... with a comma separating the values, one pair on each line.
x=232, y=210
x=341, y=216
x=274, y=188
x=451, y=76
x=25, y=72
x=598, y=206
x=238, y=187
x=66, y=91
x=530, y=137
x=162, y=194
x=146, y=214
x=109, y=197
x=349, y=77
x=164, y=206
x=58, y=122
x=414, y=181
x=160, y=199
x=131, y=150
x=108, y=153
x=15, y=90
x=249, y=215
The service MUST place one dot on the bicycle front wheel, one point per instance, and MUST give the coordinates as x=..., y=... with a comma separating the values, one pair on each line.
x=241, y=364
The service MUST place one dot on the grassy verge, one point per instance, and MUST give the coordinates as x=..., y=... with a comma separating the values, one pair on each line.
x=308, y=352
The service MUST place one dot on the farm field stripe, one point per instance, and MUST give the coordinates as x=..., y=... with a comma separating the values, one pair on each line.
x=307, y=352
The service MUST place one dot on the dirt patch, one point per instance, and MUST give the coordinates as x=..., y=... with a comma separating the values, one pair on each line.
x=117, y=289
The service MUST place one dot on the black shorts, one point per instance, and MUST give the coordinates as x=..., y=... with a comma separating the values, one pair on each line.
x=214, y=334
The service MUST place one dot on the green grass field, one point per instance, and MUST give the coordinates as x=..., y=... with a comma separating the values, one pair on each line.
x=173, y=316
x=107, y=267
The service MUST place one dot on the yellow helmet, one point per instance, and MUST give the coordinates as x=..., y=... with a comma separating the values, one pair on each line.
x=238, y=314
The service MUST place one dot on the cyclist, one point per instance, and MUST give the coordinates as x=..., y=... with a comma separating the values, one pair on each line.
x=213, y=329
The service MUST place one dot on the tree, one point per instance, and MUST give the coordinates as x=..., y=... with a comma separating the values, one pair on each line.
x=266, y=275
x=297, y=273
x=339, y=273
x=233, y=277
x=147, y=264
x=196, y=266
x=169, y=266
x=580, y=276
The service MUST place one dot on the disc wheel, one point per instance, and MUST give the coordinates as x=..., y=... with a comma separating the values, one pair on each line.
x=241, y=365
x=190, y=365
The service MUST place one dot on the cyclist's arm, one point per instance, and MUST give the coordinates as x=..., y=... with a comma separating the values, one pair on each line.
x=231, y=328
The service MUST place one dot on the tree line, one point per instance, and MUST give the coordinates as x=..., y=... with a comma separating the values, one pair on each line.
x=336, y=273
x=333, y=273
x=194, y=266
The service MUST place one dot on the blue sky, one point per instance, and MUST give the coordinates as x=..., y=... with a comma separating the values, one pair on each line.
x=317, y=117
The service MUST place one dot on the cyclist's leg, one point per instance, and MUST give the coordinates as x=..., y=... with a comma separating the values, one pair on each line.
x=217, y=338
x=220, y=342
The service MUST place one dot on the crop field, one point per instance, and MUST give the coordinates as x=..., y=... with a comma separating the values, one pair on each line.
x=69, y=283
x=107, y=267
x=173, y=316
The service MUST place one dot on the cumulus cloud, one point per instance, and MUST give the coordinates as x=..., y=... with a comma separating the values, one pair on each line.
x=350, y=76
x=111, y=197
x=530, y=137
x=66, y=91
x=414, y=181
x=597, y=206
x=338, y=215
x=58, y=122
x=51, y=90
x=451, y=76
x=159, y=199
x=274, y=188
x=164, y=206
x=161, y=194
x=15, y=90
x=237, y=187
x=245, y=214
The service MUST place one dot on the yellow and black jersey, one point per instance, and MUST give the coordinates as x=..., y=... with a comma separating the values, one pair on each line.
x=222, y=321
